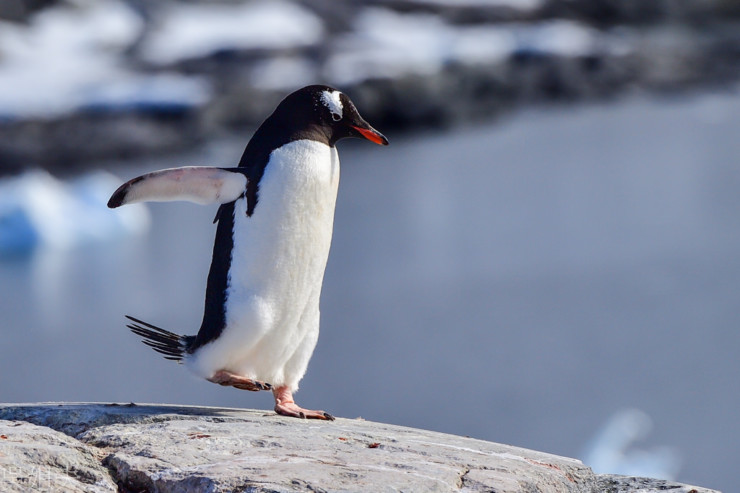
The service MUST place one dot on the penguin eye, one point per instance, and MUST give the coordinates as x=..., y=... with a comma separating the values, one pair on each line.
x=336, y=117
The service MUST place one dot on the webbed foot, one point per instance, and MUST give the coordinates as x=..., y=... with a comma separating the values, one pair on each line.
x=285, y=406
x=227, y=378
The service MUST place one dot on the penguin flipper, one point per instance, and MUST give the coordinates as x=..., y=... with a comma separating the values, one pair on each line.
x=200, y=184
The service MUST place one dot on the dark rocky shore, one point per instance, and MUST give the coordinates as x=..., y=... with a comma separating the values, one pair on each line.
x=406, y=63
x=111, y=447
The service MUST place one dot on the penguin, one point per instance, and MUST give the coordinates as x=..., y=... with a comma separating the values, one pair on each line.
x=274, y=228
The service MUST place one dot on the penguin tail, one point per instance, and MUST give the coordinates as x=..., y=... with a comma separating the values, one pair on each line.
x=171, y=345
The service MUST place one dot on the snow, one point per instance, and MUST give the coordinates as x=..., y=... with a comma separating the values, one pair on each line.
x=74, y=55
x=385, y=44
x=560, y=38
x=388, y=44
x=282, y=73
x=196, y=30
x=37, y=210
x=483, y=45
x=151, y=91
x=69, y=57
x=525, y=5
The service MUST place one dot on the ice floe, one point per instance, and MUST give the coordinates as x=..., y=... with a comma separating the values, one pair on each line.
x=613, y=450
x=40, y=211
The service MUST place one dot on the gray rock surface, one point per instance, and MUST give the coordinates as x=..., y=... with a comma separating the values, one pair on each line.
x=38, y=458
x=108, y=447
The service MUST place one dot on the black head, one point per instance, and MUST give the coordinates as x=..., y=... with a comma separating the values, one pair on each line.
x=319, y=113
x=325, y=114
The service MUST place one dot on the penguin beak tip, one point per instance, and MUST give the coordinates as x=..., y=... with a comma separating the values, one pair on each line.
x=372, y=135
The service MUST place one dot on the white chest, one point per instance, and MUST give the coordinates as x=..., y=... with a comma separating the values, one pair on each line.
x=280, y=252
x=277, y=269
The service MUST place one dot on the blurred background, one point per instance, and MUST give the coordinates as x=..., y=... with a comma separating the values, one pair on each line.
x=545, y=256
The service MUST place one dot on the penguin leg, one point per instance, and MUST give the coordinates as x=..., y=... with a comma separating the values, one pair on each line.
x=226, y=378
x=286, y=406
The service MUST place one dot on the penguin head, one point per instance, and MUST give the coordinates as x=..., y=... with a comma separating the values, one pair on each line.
x=327, y=112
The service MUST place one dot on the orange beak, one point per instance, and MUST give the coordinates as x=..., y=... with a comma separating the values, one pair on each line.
x=372, y=135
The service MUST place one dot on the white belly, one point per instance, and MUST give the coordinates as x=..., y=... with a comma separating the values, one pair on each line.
x=277, y=268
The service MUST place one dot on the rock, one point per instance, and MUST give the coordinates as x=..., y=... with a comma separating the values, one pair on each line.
x=38, y=458
x=98, y=447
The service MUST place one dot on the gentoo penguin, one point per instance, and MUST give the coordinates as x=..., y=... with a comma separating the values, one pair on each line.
x=275, y=220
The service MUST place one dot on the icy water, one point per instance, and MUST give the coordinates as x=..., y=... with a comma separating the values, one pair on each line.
x=518, y=281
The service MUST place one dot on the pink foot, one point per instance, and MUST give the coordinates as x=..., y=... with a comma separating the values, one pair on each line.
x=226, y=378
x=285, y=406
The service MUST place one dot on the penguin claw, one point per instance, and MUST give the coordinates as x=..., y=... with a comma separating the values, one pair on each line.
x=293, y=411
x=286, y=406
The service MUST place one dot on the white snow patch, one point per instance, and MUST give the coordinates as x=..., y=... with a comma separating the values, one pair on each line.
x=151, y=90
x=190, y=31
x=388, y=44
x=283, y=73
x=68, y=57
x=561, y=37
x=525, y=5
x=331, y=100
x=484, y=45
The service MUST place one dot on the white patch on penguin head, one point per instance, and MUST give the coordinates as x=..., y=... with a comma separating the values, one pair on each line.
x=333, y=103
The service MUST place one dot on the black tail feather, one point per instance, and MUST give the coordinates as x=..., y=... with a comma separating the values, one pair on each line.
x=169, y=344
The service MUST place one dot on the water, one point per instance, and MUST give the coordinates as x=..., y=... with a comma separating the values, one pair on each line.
x=518, y=281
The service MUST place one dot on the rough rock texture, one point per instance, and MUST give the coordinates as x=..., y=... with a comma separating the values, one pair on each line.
x=99, y=447
x=38, y=458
